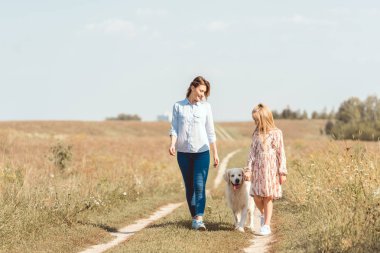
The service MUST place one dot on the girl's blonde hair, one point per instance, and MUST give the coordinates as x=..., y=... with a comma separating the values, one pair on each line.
x=263, y=118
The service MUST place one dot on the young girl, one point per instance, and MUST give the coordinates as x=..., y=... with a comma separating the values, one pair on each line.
x=267, y=163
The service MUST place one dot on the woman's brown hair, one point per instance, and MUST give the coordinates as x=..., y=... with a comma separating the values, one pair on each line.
x=199, y=80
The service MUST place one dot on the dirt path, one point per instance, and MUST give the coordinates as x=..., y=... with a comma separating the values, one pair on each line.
x=128, y=231
x=222, y=133
x=222, y=168
x=259, y=244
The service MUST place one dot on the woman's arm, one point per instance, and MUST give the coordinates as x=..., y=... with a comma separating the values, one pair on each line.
x=210, y=130
x=173, y=140
x=173, y=131
x=215, y=155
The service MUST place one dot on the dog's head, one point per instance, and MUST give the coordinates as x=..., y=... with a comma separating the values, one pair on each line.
x=234, y=177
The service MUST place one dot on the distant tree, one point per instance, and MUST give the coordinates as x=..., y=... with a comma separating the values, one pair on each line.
x=328, y=127
x=276, y=115
x=350, y=111
x=371, y=109
x=323, y=114
x=304, y=115
x=286, y=113
x=126, y=117
x=297, y=115
x=314, y=115
x=331, y=115
x=357, y=120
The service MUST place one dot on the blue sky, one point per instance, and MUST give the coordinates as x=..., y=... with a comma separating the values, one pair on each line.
x=88, y=60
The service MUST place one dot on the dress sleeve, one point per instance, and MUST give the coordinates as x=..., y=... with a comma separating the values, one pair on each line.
x=280, y=154
x=251, y=154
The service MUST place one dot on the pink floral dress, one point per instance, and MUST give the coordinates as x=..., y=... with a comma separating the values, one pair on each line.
x=267, y=161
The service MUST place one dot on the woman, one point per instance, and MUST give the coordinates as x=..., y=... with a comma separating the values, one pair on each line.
x=192, y=135
x=268, y=164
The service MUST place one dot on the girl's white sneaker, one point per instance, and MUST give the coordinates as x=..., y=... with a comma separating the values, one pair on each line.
x=265, y=230
x=262, y=220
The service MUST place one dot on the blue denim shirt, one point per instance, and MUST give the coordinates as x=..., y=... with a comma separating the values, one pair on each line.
x=193, y=126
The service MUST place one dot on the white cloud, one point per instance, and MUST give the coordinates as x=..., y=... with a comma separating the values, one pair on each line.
x=372, y=12
x=297, y=19
x=340, y=11
x=302, y=20
x=117, y=26
x=149, y=13
x=188, y=45
x=217, y=26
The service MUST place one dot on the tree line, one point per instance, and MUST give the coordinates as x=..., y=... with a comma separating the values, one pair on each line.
x=288, y=113
x=355, y=119
x=126, y=117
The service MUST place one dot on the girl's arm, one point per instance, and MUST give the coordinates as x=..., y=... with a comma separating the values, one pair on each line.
x=251, y=154
x=281, y=158
x=250, y=160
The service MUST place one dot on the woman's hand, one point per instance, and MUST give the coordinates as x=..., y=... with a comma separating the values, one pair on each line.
x=214, y=152
x=173, y=140
x=282, y=179
x=172, y=150
x=216, y=160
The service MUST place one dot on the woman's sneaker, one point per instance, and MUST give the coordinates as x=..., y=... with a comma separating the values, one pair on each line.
x=198, y=225
x=265, y=230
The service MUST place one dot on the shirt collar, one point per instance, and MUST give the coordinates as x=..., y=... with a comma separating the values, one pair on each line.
x=187, y=101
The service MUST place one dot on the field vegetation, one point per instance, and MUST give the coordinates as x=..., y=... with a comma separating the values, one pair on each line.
x=65, y=185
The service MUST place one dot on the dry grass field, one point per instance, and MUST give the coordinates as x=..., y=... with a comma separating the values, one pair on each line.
x=332, y=196
x=64, y=185
x=115, y=169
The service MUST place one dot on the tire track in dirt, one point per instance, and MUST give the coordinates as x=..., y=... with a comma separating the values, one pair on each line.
x=128, y=231
x=222, y=133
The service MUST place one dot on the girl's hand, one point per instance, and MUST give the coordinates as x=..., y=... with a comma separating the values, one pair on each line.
x=216, y=161
x=247, y=174
x=282, y=179
x=172, y=150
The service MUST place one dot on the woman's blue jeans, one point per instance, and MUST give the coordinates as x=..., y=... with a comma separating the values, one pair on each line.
x=194, y=169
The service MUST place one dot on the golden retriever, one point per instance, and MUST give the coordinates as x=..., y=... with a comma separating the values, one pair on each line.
x=238, y=198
